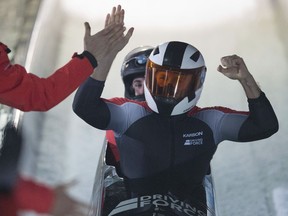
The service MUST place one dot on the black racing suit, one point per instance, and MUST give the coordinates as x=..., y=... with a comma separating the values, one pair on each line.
x=160, y=154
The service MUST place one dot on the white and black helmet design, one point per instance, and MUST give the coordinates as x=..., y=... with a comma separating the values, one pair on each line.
x=175, y=73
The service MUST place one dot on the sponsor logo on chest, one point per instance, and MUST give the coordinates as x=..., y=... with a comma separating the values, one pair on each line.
x=195, y=138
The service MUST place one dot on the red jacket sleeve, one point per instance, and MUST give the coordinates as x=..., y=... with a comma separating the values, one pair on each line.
x=28, y=92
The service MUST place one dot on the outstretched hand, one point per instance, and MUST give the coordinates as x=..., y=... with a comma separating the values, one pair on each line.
x=233, y=67
x=111, y=39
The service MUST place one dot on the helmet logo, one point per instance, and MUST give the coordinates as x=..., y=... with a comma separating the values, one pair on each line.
x=141, y=60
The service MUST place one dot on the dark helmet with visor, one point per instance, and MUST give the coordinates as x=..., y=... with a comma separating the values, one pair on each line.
x=134, y=66
x=174, y=78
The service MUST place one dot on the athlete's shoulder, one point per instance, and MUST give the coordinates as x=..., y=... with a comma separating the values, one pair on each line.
x=196, y=110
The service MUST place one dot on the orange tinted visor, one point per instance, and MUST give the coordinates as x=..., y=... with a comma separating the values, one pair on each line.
x=163, y=82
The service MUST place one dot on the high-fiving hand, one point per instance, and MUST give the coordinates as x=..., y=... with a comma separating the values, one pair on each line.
x=117, y=17
x=109, y=40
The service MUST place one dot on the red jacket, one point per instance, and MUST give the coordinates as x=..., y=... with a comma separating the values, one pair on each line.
x=28, y=92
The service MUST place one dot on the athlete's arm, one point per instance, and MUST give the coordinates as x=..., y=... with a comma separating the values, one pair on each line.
x=262, y=121
x=89, y=106
x=87, y=103
x=104, y=65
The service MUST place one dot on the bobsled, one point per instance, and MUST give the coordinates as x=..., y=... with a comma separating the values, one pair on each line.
x=110, y=197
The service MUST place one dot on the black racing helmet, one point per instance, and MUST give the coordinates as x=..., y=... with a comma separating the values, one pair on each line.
x=134, y=66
